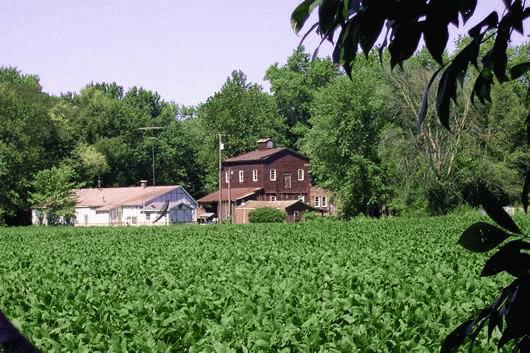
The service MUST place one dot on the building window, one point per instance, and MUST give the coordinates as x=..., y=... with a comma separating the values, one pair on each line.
x=241, y=176
x=272, y=198
x=272, y=174
x=317, y=201
x=227, y=177
x=301, y=198
x=324, y=201
x=255, y=175
x=286, y=180
x=300, y=174
x=148, y=216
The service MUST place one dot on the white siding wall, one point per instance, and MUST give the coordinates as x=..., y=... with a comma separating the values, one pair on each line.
x=130, y=212
x=178, y=195
x=103, y=218
x=94, y=218
x=35, y=219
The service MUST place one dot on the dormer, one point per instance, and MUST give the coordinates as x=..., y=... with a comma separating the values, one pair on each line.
x=265, y=144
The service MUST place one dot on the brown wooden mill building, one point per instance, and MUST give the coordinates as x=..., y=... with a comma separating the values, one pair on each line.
x=269, y=174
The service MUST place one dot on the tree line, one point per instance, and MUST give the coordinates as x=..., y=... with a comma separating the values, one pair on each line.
x=360, y=134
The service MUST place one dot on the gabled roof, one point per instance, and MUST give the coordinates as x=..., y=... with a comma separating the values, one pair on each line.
x=281, y=205
x=270, y=204
x=259, y=155
x=105, y=199
x=235, y=195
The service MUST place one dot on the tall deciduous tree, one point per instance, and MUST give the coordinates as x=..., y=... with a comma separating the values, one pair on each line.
x=53, y=194
x=360, y=22
x=293, y=86
x=347, y=117
x=29, y=141
x=243, y=113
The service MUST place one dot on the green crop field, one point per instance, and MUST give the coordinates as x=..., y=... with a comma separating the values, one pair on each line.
x=397, y=285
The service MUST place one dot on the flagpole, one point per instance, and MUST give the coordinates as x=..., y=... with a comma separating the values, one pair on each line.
x=219, y=209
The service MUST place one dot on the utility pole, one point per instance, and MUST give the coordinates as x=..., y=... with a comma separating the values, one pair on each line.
x=152, y=128
x=229, y=194
x=220, y=208
x=153, y=155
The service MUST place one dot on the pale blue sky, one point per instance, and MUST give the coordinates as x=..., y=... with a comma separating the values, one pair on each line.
x=183, y=49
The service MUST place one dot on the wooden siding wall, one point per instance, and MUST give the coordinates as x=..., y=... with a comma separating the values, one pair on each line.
x=284, y=162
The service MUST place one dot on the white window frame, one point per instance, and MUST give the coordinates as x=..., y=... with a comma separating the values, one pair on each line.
x=324, y=201
x=272, y=198
x=301, y=175
x=241, y=176
x=255, y=175
x=301, y=198
x=317, y=201
x=272, y=174
x=227, y=177
x=148, y=216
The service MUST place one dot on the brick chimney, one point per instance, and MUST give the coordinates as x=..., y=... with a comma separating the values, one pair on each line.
x=143, y=183
x=265, y=144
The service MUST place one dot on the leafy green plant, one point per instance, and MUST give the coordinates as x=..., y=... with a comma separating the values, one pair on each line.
x=391, y=285
x=266, y=215
x=360, y=23
x=311, y=216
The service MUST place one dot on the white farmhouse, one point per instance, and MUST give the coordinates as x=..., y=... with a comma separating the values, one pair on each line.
x=140, y=205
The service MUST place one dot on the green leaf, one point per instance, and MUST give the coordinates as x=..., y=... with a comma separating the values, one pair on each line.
x=406, y=38
x=467, y=8
x=519, y=70
x=510, y=259
x=482, y=87
x=436, y=35
x=489, y=22
x=424, y=106
x=446, y=90
x=351, y=43
x=327, y=14
x=499, y=56
x=482, y=237
x=301, y=14
x=455, y=339
x=371, y=26
x=494, y=209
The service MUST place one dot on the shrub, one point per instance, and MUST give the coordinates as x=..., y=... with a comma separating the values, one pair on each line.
x=266, y=215
x=311, y=216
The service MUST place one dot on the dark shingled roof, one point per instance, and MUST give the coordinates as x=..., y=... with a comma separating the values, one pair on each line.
x=235, y=194
x=258, y=155
x=281, y=205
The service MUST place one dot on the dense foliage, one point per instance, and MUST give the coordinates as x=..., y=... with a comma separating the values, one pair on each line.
x=53, y=197
x=266, y=215
x=294, y=86
x=360, y=23
x=361, y=286
x=243, y=114
x=360, y=134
